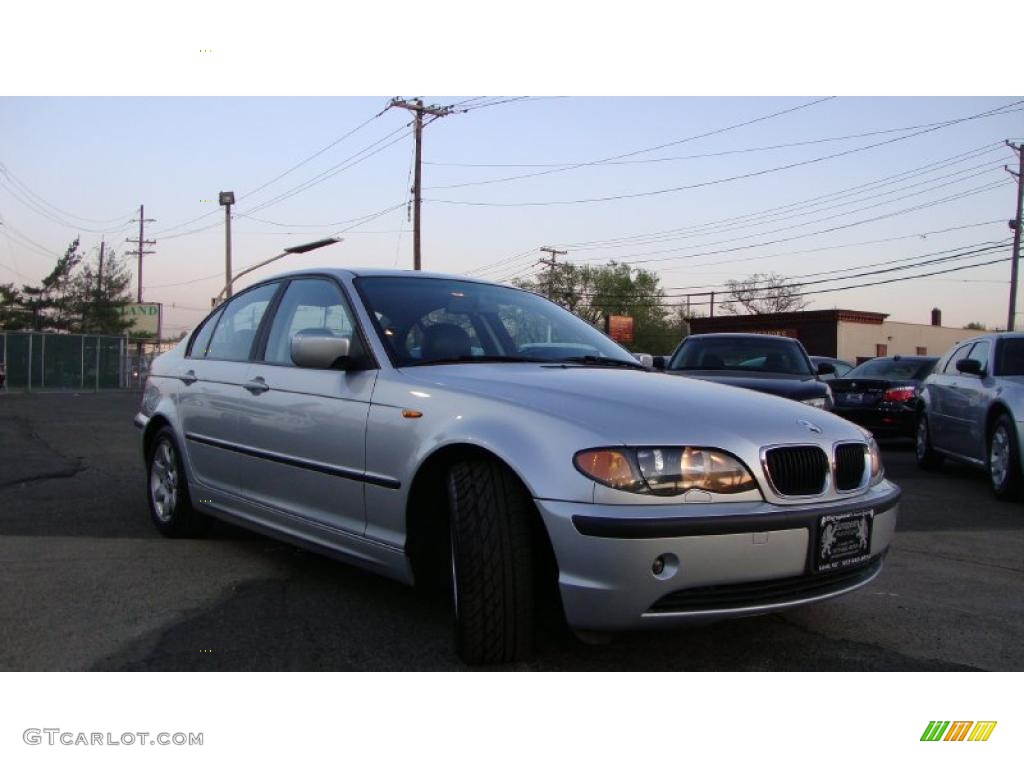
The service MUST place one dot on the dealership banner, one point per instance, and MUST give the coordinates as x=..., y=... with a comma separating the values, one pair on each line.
x=145, y=317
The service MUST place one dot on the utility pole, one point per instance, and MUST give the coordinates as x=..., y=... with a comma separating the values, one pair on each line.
x=550, y=263
x=417, y=108
x=142, y=242
x=1015, y=225
x=99, y=285
x=227, y=199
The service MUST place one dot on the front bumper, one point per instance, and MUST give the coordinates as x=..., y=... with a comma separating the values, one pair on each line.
x=721, y=560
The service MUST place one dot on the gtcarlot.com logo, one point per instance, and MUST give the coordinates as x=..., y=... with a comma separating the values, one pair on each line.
x=958, y=730
x=56, y=736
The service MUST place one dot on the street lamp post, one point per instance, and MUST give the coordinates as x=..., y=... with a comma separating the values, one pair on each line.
x=304, y=248
x=227, y=199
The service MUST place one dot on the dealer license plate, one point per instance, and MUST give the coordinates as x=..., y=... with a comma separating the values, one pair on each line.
x=843, y=540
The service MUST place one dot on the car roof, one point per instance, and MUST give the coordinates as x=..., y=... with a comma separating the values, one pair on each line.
x=741, y=336
x=911, y=358
x=377, y=272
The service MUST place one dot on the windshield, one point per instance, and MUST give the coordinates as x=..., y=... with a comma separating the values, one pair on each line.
x=892, y=369
x=424, y=320
x=765, y=354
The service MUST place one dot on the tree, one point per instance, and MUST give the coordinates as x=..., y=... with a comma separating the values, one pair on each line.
x=100, y=298
x=594, y=292
x=50, y=303
x=13, y=316
x=762, y=294
x=73, y=298
x=974, y=325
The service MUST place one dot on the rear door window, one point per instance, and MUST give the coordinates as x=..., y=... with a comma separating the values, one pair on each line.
x=239, y=324
x=201, y=340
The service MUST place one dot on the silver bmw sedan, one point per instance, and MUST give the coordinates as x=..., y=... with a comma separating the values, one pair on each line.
x=440, y=429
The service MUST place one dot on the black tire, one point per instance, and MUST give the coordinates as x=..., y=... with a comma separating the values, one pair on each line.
x=927, y=458
x=170, y=507
x=1004, y=460
x=492, y=563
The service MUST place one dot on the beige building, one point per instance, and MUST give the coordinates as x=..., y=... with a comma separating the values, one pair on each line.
x=844, y=333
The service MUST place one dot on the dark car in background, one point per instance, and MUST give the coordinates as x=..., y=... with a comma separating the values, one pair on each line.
x=839, y=367
x=774, y=364
x=881, y=394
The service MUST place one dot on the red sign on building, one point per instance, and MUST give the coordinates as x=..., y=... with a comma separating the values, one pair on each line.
x=619, y=328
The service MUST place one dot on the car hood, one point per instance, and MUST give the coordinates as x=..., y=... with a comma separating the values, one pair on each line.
x=631, y=406
x=781, y=384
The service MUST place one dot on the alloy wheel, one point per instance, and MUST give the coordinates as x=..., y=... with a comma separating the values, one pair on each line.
x=999, y=457
x=163, y=481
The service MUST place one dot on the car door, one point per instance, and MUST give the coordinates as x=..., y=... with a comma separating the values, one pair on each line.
x=976, y=393
x=306, y=428
x=942, y=389
x=213, y=401
x=957, y=405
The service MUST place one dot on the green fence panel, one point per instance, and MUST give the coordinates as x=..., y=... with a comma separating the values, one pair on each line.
x=17, y=360
x=62, y=361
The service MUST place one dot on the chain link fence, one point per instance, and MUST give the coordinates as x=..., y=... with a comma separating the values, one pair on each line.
x=58, y=361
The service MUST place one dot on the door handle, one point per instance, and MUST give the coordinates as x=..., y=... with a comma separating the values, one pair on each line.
x=189, y=378
x=257, y=385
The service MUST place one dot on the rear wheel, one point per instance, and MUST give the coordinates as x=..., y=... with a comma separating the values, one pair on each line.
x=1004, y=460
x=927, y=458
x=170, y=507
x=492, y=563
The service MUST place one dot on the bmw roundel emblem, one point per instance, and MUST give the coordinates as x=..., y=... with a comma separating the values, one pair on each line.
x=812, y=427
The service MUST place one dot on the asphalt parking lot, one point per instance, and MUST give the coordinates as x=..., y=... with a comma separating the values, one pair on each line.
x=87, y=584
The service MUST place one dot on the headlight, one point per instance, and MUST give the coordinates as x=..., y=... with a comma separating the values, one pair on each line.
x=665, y=471
x=816, y=402
x=875, y=456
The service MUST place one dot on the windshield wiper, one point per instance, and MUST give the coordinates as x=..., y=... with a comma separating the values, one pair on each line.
x=609, y=362
x=480, y=359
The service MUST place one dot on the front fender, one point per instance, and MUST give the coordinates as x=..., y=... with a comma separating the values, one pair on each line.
x=538, y=447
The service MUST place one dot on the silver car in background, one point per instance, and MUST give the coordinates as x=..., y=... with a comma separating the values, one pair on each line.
x=440, y=429
x=971, y=409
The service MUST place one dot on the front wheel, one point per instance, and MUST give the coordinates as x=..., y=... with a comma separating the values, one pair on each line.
x=1004, y=460
x=170, y=507
x=927, y=458
x=492, y=563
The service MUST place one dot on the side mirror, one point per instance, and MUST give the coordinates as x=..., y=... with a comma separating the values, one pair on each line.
x=647, y=361
x=319, y=348
x=826, y=368
x=970, y=366
x=660, y=362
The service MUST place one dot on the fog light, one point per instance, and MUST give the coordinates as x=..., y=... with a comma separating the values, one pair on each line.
x=658, y=566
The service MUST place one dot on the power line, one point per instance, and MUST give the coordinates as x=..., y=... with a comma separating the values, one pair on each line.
x=800, y=211
x=922, y=235
x=282, y=175
x=891, y=265
x=702, y=155
x=6, y=172
x=603, y=161
x=923, y=206
x=798, y=225
x=810, y=202
x=764, y=215
x=948, y=270
x=722, y=180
